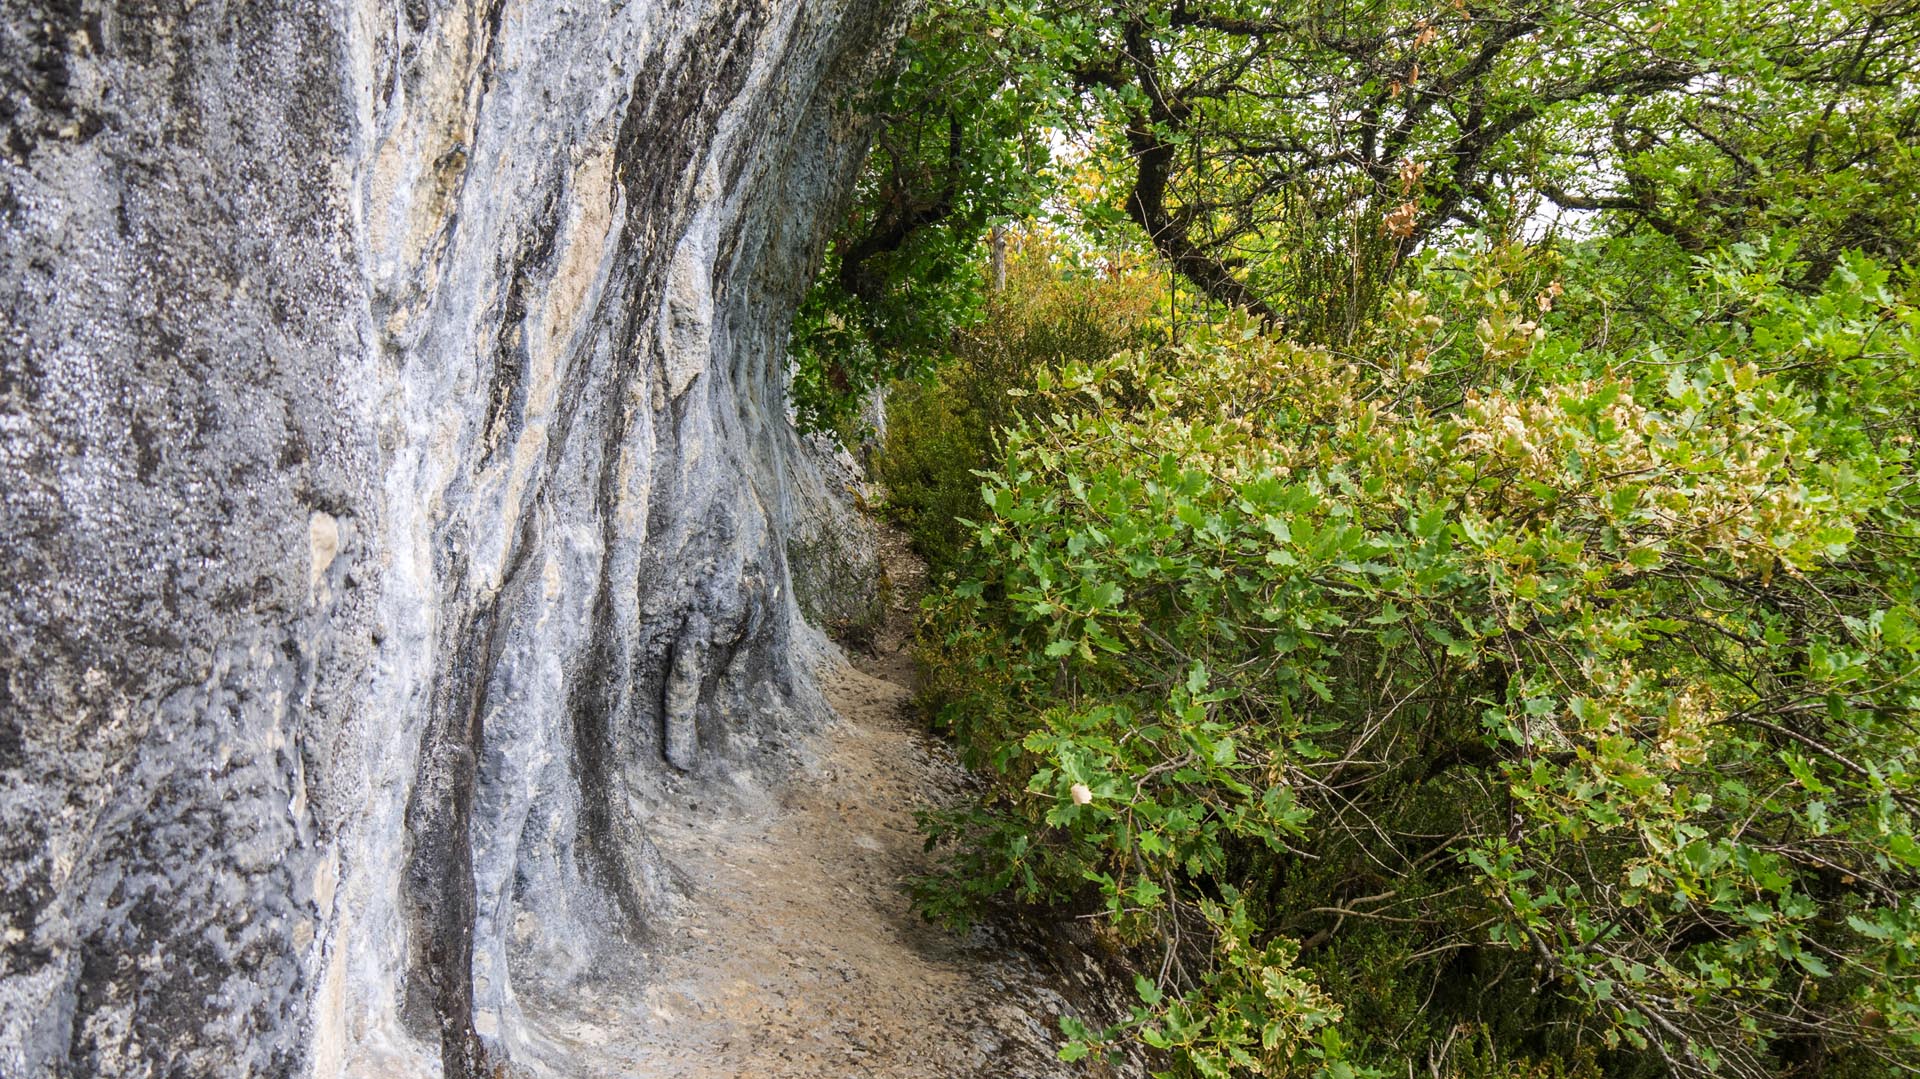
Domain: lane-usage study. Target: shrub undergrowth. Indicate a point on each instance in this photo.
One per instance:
(1056, 308)
(1509, 694)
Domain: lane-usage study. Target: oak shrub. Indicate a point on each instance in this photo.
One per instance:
(1509, 694)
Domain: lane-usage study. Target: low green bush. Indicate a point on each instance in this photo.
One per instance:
(1508, 697)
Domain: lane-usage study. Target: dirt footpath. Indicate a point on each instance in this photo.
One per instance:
(798, 955)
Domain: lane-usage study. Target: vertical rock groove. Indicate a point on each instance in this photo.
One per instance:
(439, 872)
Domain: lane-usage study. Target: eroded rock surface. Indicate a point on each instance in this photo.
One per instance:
(396, 497)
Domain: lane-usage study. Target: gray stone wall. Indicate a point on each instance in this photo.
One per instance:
(396, 497)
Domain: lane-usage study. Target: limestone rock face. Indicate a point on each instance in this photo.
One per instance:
(397, 501)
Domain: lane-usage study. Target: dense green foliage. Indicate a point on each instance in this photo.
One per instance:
(1494, 649)
(1507, 656)
(960, 146)
(1051, 311)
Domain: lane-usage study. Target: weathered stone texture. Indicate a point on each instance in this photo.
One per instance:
(396, 497)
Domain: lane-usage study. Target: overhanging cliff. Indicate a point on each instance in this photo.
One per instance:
(396, 499)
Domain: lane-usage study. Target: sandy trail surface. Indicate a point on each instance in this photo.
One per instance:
(797, 954)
